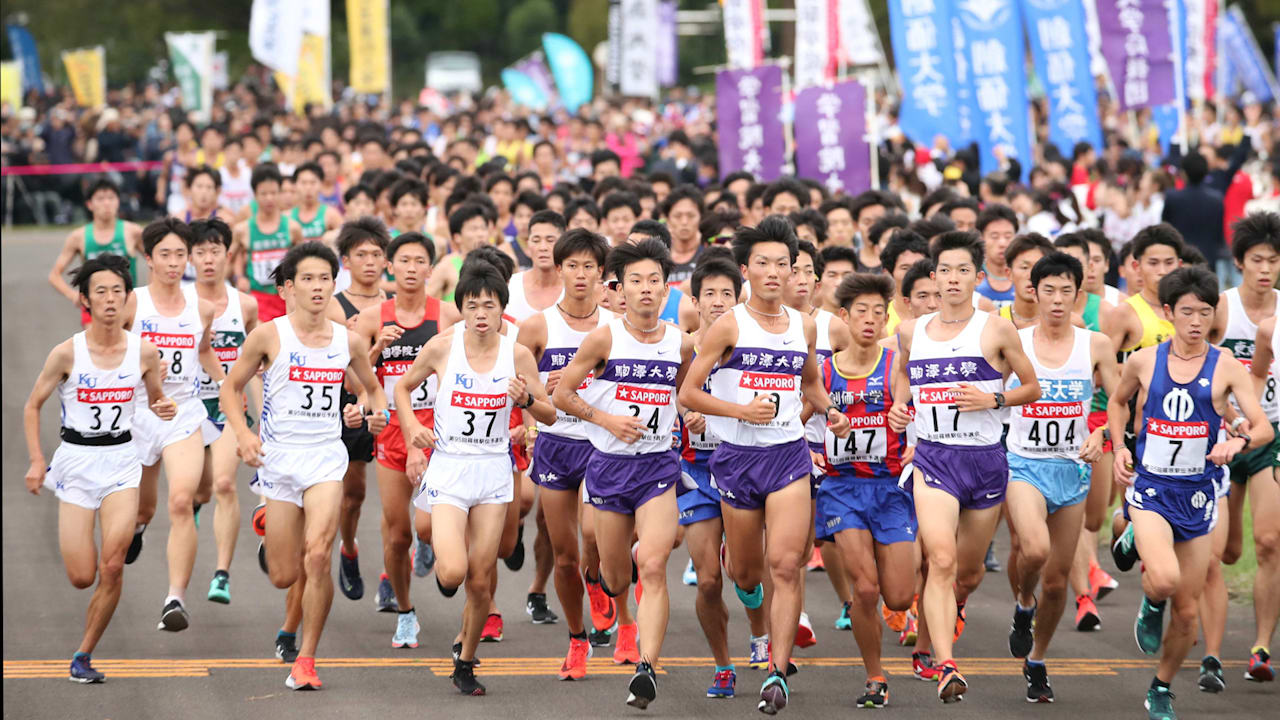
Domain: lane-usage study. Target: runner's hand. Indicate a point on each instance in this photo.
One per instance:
(1091, 451)
(695, 422)
(899, 417)
(517, 435)
(516, 389)
(415, 463)
(1123, 467)
(419, 436)
(35, 477)
(352, 415)
(759, 411)
(553, 380)
(969, 398)
(840, 427)
(250, 448)
(388, 335)
(1223, 452)
(377, 420)
(624, 427)
(164, 408)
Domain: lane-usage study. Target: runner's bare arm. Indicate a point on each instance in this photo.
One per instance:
(716, 343)
(133, 239)
(1260, 366)
(428, 363)
(591, 355)
(369, 326)
(1104, 362)
(238, 256)
(815, 395)
(1118, 325)
(527, 369)
(449, 315)
(838, 336)
(332, 218)
(1240, 385)
(687, 313)
(1131, 373)
(900, 384)
(1010, 348)
(208, 359)
(71, 248)
(439, 276)
(153, 379)
(55, 370)
(295, 232)
(1219, 326)
(130, 309)
(259, 348)
(363, 370)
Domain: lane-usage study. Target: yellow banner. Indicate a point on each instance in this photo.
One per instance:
(87, 71)
(10, 85)
(310, 87)
(369, 38)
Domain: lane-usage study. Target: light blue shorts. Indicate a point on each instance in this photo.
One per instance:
(1063, 483)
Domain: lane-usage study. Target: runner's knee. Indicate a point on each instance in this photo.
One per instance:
(1267, 544)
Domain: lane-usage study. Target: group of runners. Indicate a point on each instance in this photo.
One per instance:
(889, 393)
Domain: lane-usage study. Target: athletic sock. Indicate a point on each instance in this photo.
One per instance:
(578, 636)
(79, 655)
(1035, 663)
(283, 634)
(222, 573)
(343, 550)
(1157, 683)
(722, 668)
(1156, 605)
(1026, 610)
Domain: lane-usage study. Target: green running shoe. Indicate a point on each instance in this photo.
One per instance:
(220, 588)
(1148, 627)
(1159, 704)
(1124, 551)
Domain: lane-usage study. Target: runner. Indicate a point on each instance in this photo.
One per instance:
(766, 369)
(1022, 254)
(861, 506)
(997, 225)
(541, 286)
(467, 486)
(1171, 487)
(408, 206)
(838, 263)
(203, 187)
(1266, 525)
(956, 375)
(314, 217)
(95, 469)
(469, 227)
(523, 208)
(1050, 449)
(903, 250)
(178, 323)
(105, 233)
(637, 362)
(256, 251)
(300, 458)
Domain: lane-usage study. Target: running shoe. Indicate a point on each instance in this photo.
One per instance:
(174, 617)
(990, 561)
(759, 652)
(1159, 704)
(599, 638)
(424, 558)
(195, 513)
(923, 668)
(951, 684)
(909, 631)
(258, 519)
(1020, 637)
(286, 647)
(303, 675)
(220, 587)
(1100, 582)
(575, 663)
(625, 651)
(1211, 680)
(643, 687)
(1087, 617)
(515, 560)
(464, 678)
(135, 547)
(1124, 551)
(1148, 626)
(804, 632)
(406, 630)
(816, 563)
(1260, 666)
(1037, 677)
(457, 653)
(690, 576)
(894, 620)
(535, 604)
(844, 622)
(773, 694)
(349, 579)
(960, 620)
(492, 631)
(385, 600)
(82, 671)
(722, 684)
(877, 694)
(604, 610)
(262, 559)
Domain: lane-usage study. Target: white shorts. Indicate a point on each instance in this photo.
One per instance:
(289, 470)
(465, 481)
(85, 474)
(151, 435)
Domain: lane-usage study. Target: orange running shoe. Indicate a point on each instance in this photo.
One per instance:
(604, 611)
(909, 630)
(951, 684)
(492, 631)
(815, 561)
(1100, 582)
(626, 651)
(575, 663)
(1087, 614)
(896, 620)
(303, 675)
(259, 520)
(959, 623)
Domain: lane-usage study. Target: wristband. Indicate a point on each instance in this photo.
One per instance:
(528, 404)
(1237, 423)
(1247, 440)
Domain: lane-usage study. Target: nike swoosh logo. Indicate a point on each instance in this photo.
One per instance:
(333, 355)
(663, 486)
(122, 482)
(786, 342)
(500, 379)
(662, 352)
(184, 324)
(124, 376)
(955, 349)
(992, 496)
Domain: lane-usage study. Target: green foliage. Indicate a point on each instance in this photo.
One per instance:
(588, 23)
(526, 23)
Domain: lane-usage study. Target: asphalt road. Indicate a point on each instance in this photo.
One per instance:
(222, 666)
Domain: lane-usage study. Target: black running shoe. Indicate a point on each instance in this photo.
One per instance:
(464, 678)
(515, 560)
(349, 579)
(1211, 680)
(773, 694)
(876, 696)
(600, 638)
(536, 605)
(262, 559)
(135, 547)
(1038, 688)
(286, 648)
(643, 688)
(1020, 637)
(173, 618)
(1124, 551)
(457, 653)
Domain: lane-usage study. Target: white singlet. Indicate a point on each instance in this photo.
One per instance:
(936, 368)
(177, 338)
(1239, 337)
(815, 431)
(301, 390)
(562, 344)
(762, 363)
(639, 380)
(1056, 425)
(518, 305)
(97, 401)
(226, 334)
(473, 410)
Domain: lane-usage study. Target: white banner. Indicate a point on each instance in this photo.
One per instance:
(813, 42)
(639, 52)
(220, 81)
(191, 55)
(275, 34)
(315, 17)
(742, 24)
(859, 41)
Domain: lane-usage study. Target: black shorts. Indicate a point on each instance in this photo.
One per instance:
(359, 442)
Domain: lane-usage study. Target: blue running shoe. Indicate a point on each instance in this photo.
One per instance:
(722, 684)
(349, 575)
(220, 588)
(690, 576)
(773, 694)
(843, 622)
(82, 671)
(759, 652)
(385, 600)
(424, 559)
(406, 635)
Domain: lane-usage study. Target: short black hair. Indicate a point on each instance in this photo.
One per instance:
(600, 157)
(814, 219)
(1191, 255)
(933, 226)
(628, 254)
(994, 212)
(754, 193)
(808, 248)
(367, 229)
(922, 269)
(1073, 240)
(1252, 230)
(789, 186)
(102, 184)
(266, 172)
(311, 167)
(159, 229)
(939, 197)
(409, 238)
(582, 204)
(409, 186)
(1094, 236)
(902, 242)
(213, 230)
(997, 182)
(197, 171)
(502, 262)
(731, 178)
(684, 192)
(467, 211)
(580, 240)
(1196, 168)
(838, 253)
(774, 228)
(960, 203)
(288, 268)
(620, 199)
(871, 198)
(959, 240)
(548, 217)
(479, 278)
(715, 267)
(859, 284)
(613, 183)
(653, 229)
(498, 178)
(1057, 263)
(109, 262)
(889, 222)
(529, 199)
(1196, 281)
(719, 219)
(1162, 234)
(1125, 251)
(356, 190)
(1024, 242)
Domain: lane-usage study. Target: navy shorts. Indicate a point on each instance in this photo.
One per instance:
(1063, 483)
(622, 483)
(747, 476)
(817, 473)
(560, 463)
(698, 498)
(975, 475)
(1189, 507)
(880, 506)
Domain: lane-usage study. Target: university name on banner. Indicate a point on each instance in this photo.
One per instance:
(369, 38)
(639, 56)
(191, 55)
(743, 25)
(1059, 46)
(859, 42)
(748, 107)
(87, 71)
(830, 131)
(1240, 52)
(1137, 42)
(997, 78)
(275, 34)
(923, 51)
(817, 42)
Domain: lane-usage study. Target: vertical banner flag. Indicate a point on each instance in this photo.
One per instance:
(1196, 62)
(369, 37)
(1241, 52)
(523, 89)
(815, 63)
(220, 81)
(191, 55)
(310, 85)
(1060, 48)
(275, 34)
(963, 86)
(571, 68)
(24, 52)
(743, 29)
(613, 67)
(831, 142)
(997, 76)
(87, 71)
(1138, 45)
(639, 73)
(923, 51)
(859, 42)
(668, 44)
(11, 84)
(748, 115)
(534, 65)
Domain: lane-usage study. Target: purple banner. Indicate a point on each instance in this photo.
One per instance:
(668, 52)
(536, 68)
(831, 144)
(1137, 42)
(748, 115)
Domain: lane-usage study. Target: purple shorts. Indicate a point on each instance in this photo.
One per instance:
(975, 475)
(746, 476)
(622, 483)
(560, 463)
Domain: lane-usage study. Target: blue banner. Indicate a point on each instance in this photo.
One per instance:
(1243, 59)
(998, 79)
(924, 51)
(571, 68)
(24, 51)
(1060, 49)
(523, 89)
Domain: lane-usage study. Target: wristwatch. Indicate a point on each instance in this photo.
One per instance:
(528, 404)
(999, 396)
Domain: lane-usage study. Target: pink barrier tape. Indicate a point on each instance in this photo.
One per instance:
(79, 168)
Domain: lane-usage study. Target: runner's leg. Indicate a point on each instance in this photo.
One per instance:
(353, 492)
(1193, 561)
(788, 522)
(1264, 500)
(320, 503)
(703, 540)
(561, 512)
(183, 465)
(1053, 578)
(939, 517)
(226, 519)
(655, 522)
(396, 492)
(1213, 601)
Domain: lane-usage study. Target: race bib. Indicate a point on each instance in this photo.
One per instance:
(867, 442)
(1175, 448)
(1051, 427)
(264, 262)
(938, 418)
(783, 390)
